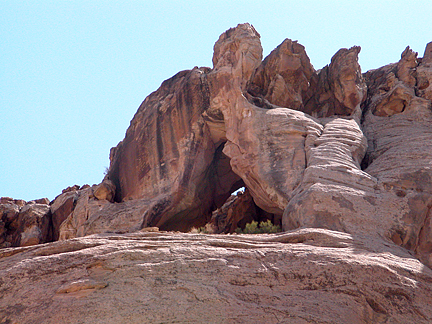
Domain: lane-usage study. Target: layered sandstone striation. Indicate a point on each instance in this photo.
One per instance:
(303, 276)
(339, 158)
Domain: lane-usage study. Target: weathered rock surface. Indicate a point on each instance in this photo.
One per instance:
(168, 160)
(61, 207)
(397, 125)
(33, 225)
(24, 223)
(304, 276)
(331, 148)
(338, 89)
(391, 195)
(283, 77)
(80, 211)
(344, 156)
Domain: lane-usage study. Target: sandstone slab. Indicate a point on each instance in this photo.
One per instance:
(303, 276)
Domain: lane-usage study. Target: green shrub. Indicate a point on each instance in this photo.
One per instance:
(263, 227)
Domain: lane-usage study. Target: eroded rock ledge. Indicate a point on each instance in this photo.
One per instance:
(304, 276)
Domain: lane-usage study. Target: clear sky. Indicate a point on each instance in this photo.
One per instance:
(73, 73)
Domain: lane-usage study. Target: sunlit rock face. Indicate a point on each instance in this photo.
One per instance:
(332, 148)
(305, 275)
(339, 159)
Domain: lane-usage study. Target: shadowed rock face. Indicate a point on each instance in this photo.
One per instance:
(338, 89)
(172, 153)
(24, 223)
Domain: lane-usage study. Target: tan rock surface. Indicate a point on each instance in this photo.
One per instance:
(105, 191)
(91, 215)
(343, 156)
(304, 276)
(334, 190)
(61, 208)
(207, 132)
(391, 195)
(265, 145)
(33, 225)
(399, 151)
(168, 156)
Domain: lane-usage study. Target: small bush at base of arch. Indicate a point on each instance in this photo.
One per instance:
(266, 227)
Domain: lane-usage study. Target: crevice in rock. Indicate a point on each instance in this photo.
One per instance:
(238, 210)
(258, 100)
(224, 179)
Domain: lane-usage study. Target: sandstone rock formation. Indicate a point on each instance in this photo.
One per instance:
(283, 77)
(313, 148)
(339, 158)
(304, 276)
(235, 133)
(24, 223)
(397, 125)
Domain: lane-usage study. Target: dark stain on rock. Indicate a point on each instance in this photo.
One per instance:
(329, 221)
(343, 202)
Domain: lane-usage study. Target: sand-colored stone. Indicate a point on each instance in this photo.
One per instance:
(304, 276)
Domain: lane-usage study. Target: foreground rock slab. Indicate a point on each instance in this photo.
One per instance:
(302, 276)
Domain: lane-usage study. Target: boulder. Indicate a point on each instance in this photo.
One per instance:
(105, 191)
(91, 215)
(8, 200)
(283, 77)
(24, 223)
(43, 201)
(65, 204)
(61, 207)
(33, 225)
(338, 88)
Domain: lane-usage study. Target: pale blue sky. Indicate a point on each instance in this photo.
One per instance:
(73, 73)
